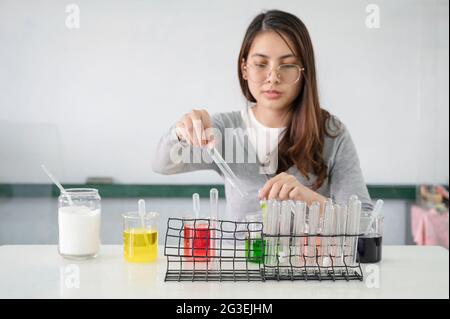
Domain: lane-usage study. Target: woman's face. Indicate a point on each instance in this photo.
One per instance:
(267, 52)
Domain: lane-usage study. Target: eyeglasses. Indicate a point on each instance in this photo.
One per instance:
(286, 73)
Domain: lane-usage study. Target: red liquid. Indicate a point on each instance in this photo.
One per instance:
(197, 242)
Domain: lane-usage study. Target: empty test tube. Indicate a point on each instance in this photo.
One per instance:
(326, 231)
(313, 227)
(272, 230)
(285, 232)
(353, 220)
(263, 205)
(299, 230)
(339, 226)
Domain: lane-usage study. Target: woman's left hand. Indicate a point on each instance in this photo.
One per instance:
(285, 186)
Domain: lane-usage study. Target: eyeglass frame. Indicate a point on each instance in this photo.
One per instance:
(300, 68)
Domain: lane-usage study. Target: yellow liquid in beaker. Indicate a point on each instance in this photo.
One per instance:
(140, 245)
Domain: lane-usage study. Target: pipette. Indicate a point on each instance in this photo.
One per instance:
(226, 170)
(141, 212)
(141, 209)
(220, 162)
(58, 184)
(196, 205)
(214, 203)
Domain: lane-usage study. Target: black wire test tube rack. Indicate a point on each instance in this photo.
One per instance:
(209, 250)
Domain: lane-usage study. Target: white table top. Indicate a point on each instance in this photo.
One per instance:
(37, 271)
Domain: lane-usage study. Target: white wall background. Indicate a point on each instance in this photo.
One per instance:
(94, 101)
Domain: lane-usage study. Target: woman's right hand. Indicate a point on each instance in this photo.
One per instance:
(195, 128)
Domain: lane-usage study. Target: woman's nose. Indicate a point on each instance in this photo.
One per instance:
(273, 77)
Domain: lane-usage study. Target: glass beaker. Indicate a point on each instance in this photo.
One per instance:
(197, 239)
(370, 243)
(254, 245)
(140, 237)
(79, 219)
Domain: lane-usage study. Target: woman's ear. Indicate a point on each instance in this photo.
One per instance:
(244, 70)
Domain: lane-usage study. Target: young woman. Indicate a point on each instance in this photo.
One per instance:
(303, 152)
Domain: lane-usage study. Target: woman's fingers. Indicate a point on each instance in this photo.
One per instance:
(204, 117)
(182, 131)
(264, 193)
(295, 193)
(188, 129)
(282, 187)
(285, 191)
(195, 127)
(197, 130)
(206, 135)
(275, 190)
(207, 127)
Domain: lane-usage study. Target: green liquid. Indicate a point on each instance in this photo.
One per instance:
(254, 250)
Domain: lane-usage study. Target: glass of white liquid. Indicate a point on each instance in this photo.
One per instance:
(79, 220)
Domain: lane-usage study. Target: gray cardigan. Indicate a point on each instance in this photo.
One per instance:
(344, 172)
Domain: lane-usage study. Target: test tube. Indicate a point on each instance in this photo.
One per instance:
(333, 242)
(353, 220)
(284, 253)
(263, 205)
(348, 232)
(357, 230)
(339, 221)
(313, 226)
(326, 231)
(299, 230)
(272, 230)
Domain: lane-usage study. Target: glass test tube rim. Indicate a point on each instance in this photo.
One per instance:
(136, 216)
(80, 192)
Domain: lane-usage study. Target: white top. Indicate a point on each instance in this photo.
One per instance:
(37, 271)
(264, 139)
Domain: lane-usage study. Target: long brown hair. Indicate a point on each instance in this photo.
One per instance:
(302, 144)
